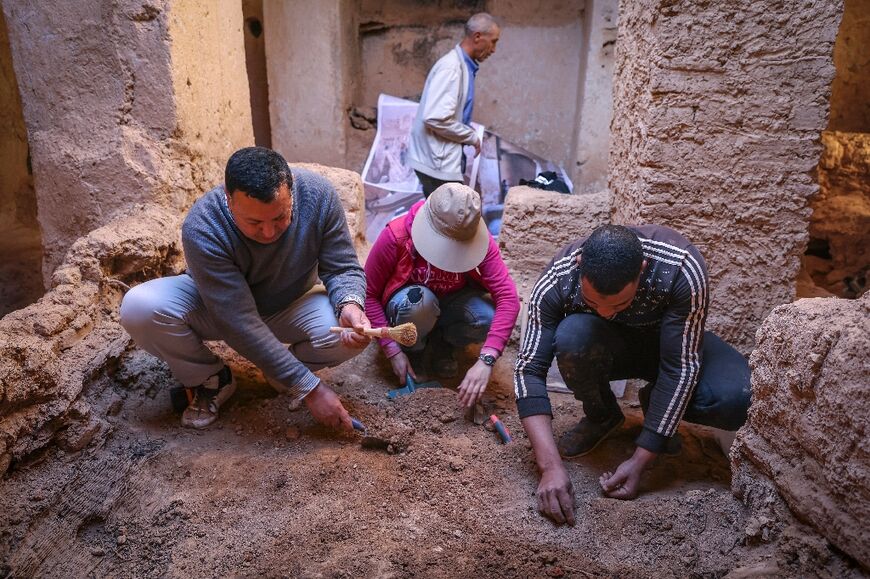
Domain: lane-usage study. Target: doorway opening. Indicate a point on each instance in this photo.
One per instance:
(837, 259)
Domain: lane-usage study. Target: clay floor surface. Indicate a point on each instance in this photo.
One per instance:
(267, 492)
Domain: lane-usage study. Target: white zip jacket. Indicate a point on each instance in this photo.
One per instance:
(438, 132)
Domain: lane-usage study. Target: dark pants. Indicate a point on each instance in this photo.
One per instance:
(463, 317)
(430, 183)
(592, 351)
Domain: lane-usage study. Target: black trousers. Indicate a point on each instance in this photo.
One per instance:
(430, 183)
(592, 351)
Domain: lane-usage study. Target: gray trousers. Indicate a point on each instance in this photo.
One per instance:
(167, 318)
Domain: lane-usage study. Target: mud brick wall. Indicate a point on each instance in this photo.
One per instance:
(809, 419)
(718, 107)
(125, 102)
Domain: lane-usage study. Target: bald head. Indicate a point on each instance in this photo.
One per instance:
(481, 36)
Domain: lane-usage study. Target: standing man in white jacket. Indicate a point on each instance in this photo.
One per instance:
(442, 125)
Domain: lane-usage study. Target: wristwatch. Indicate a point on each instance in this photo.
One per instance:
(487, 359)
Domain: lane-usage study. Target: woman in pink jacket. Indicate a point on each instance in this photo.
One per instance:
(439, 267)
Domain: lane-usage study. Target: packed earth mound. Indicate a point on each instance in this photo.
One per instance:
(807, 430)
(268, 492)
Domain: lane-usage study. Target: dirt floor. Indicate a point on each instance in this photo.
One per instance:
(267, 492)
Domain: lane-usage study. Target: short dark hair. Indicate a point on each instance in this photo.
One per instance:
(257, 172)
(612, 258)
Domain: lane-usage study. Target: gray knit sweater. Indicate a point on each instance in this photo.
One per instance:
(241, 281)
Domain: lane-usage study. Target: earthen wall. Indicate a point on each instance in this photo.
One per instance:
(21, 243)
(17, 202)
(850, 106)
(310, 62)
(123, 104)
(718, 108)
(255, 61)
(595, 97)
(207, 66)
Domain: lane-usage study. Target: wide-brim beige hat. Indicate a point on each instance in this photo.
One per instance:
(448, 230)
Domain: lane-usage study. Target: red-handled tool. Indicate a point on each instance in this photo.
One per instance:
(502, 430)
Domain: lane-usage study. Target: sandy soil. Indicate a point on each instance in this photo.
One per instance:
(267, 492)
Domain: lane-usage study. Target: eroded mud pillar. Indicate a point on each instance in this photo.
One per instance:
(718, 108)
(807, 429)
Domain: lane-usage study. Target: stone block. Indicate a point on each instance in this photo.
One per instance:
(536, 224)
(350, 190)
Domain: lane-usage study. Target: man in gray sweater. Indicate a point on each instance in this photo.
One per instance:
(255, 248)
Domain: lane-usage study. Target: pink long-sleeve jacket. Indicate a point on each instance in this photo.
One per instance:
(393, 261)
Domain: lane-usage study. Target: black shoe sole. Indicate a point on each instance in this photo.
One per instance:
(616, 427)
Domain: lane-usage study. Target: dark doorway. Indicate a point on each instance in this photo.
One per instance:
(21, 243)
(255, 59)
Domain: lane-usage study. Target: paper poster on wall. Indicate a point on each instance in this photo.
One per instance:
(392, 187)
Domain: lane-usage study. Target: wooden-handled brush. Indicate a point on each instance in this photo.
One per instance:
(405, 334)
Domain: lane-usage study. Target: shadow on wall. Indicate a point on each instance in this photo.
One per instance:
(255, 62)
(837, 259)
(21, 242)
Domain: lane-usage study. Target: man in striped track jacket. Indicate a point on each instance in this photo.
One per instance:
(627, 302)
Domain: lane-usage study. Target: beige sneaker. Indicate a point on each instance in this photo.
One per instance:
(208, 398)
